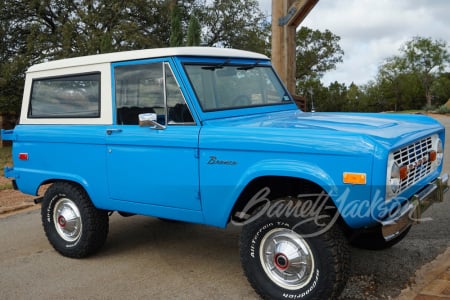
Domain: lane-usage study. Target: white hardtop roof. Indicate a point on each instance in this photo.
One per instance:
(143, 54)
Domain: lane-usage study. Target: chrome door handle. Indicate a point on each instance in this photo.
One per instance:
(111, 130)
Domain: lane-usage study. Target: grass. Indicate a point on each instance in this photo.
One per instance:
(6, 186)
(413, 111)
(5, 159)
(442, 110)
(410, 111)
(5, 156)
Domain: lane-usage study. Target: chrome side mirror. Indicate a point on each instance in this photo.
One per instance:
(150, 120)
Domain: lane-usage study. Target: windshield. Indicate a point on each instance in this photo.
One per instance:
(221, 86)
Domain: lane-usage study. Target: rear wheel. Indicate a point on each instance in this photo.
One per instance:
(285, 260)
(74, 227)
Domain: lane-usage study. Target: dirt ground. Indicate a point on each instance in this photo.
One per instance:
(13, 201)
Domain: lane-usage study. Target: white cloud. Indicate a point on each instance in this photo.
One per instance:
(373, 30)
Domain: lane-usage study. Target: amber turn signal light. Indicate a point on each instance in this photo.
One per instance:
(354, 178)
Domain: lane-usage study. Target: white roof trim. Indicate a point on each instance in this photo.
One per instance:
(143, 54)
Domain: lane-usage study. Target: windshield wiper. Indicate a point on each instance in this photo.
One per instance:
(218, 66)
(248, 67)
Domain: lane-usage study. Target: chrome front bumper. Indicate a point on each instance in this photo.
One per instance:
(411, 212)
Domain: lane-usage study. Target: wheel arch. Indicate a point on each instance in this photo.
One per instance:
(278, 174)
(54, 180)
(81, 184)
(279, 186)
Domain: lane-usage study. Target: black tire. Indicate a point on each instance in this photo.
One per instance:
(73, 226)
(265, 258)
(373, 239)
(170, 220)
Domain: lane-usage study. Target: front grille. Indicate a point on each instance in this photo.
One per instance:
(416, 158)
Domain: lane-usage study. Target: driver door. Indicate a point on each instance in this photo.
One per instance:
(145, 164)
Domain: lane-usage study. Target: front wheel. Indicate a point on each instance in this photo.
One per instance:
(74, 227)
(283, 259)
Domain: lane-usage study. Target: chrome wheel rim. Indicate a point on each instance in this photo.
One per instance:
(286, 258)
(67, 220)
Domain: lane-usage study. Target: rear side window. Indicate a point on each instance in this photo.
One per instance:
(76, 96)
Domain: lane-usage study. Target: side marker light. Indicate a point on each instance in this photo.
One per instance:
(23, 156)
(354, 178)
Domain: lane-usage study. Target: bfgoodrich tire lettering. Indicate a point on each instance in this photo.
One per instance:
(280, 264)
(73, 226)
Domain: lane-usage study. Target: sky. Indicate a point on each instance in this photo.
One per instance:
(373, 30)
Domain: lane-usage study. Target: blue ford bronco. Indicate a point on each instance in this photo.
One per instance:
(224, 143)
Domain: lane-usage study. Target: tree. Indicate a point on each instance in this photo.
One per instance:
(176, 32)
(336, 98)
(235, 24)
(408, 80)
(390, 79)
(372, 98)
(441, 89)
(426, 58)
(13, 55)
(317, 52)
(354, 96)
(194, 32)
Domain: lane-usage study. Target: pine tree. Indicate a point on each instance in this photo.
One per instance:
(194, 34)
(176, 34)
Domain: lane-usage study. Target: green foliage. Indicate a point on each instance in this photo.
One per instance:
(333, 98)
(429, 108)
(235, 24)
(317, 52)
(354, 98)
(425, 58)
(420, 63)
(411, 80)
(194, 32)
(407, 81)
(443, 109)
(440, 89)
(5, 158)
(176, 33)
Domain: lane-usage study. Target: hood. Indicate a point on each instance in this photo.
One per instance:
(373, 124)
(388, 130)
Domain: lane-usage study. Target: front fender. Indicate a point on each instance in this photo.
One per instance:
(217, 212)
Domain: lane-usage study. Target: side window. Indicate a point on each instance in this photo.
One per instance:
(149, 88)
(178, 111)
(75, 96)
